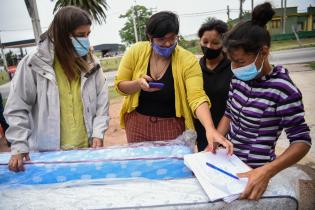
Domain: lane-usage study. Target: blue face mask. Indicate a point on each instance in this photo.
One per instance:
(81, 45)
(164, 51)
(248, 72)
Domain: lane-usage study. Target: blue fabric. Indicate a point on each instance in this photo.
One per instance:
(152, 162)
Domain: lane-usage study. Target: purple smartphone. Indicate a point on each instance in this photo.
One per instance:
(156, 85)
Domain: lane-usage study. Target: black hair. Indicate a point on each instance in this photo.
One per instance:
(162, 23)
(213, 24)
(251, 35)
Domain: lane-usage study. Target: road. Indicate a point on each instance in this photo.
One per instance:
(301, 55)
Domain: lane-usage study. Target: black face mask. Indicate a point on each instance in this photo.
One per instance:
(210, 53)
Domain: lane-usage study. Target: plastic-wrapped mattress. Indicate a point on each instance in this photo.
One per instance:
(151, 160)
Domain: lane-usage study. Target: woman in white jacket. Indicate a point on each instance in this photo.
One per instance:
(59, 95)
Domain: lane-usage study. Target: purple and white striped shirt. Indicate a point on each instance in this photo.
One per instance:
(259, 110)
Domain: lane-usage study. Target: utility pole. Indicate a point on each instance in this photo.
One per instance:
(228, 11)
(252, 5)
(284, 16)
(134, 24)
(3, 55)
(33, 12)
(241, 9)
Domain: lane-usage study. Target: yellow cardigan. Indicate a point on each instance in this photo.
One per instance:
(188, 81)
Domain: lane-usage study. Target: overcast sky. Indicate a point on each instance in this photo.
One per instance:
(15, 23)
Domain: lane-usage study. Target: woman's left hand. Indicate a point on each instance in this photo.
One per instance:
(96, 142)
(214, 138)
(258, 180)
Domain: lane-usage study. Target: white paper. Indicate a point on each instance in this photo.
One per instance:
(216, 184)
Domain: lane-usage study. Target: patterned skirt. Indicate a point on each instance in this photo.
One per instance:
(141, 127)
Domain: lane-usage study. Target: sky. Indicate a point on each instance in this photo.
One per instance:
(15, 23)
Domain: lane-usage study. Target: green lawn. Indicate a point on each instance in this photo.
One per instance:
(4, 77)
(113, 93)
(290, 44)
(110, 64)
(312, 65)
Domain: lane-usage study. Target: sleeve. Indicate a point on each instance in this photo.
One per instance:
(3, 122)
(125, 69)
(291, 111)
(227, 112)
(194, 84)
(22, 98)
(101, 120)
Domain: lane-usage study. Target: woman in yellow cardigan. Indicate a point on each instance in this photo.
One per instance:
(164, 111)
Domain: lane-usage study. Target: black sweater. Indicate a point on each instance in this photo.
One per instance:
(216, 85)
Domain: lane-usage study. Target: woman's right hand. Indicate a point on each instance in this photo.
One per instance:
(16, 162)
(144, 85)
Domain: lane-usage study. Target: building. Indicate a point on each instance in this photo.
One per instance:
(300, 21)
(108, 50)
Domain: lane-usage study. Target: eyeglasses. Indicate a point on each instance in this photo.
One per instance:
(163, 40)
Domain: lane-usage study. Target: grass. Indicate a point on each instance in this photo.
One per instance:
(291, 44)
(110, 64)
(312, 65)
(113, 93)
(4, 77)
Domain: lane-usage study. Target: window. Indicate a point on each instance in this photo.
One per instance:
(275, 24)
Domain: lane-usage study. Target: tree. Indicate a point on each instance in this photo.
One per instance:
(96, 8)
(142, 15)
(11, 58)
(208, 19)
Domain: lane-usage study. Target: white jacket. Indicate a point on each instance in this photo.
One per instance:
(33, 109)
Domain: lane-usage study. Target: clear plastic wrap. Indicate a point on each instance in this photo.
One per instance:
(145, 194)
(152, 160)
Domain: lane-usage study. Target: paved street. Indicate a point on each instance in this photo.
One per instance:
(301, 55)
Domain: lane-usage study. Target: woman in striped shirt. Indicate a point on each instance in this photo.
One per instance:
(262, 102)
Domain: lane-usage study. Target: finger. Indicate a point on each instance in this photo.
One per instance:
(97, 143)
(242, 175)
(27, 157)
(209, 148)
(147, 78)
(94, 144)
(247, 192)
(12, 165)
(20, 166)
(260, 193)
(100, 143)
(229, 147)
(144, 84)
(254, 194)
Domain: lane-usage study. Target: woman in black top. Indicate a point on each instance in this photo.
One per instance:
(216, 71)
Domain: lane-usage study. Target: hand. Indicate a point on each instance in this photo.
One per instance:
(214, 139)
(258, 180)
(144, 85)
(96, 143)
(16, 162)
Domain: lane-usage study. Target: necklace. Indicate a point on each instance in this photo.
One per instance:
(157, 73)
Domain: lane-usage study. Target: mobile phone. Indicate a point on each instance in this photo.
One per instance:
(156, 85)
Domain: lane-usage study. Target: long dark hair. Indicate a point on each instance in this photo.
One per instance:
(62, 27)
(251, 35)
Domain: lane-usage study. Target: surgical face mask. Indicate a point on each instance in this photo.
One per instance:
(248, 72)
(164, 51)
(210, 53)
(81, 45)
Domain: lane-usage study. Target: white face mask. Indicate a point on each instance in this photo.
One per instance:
(248, 72)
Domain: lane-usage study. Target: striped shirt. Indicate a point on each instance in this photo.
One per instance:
(259, 110)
